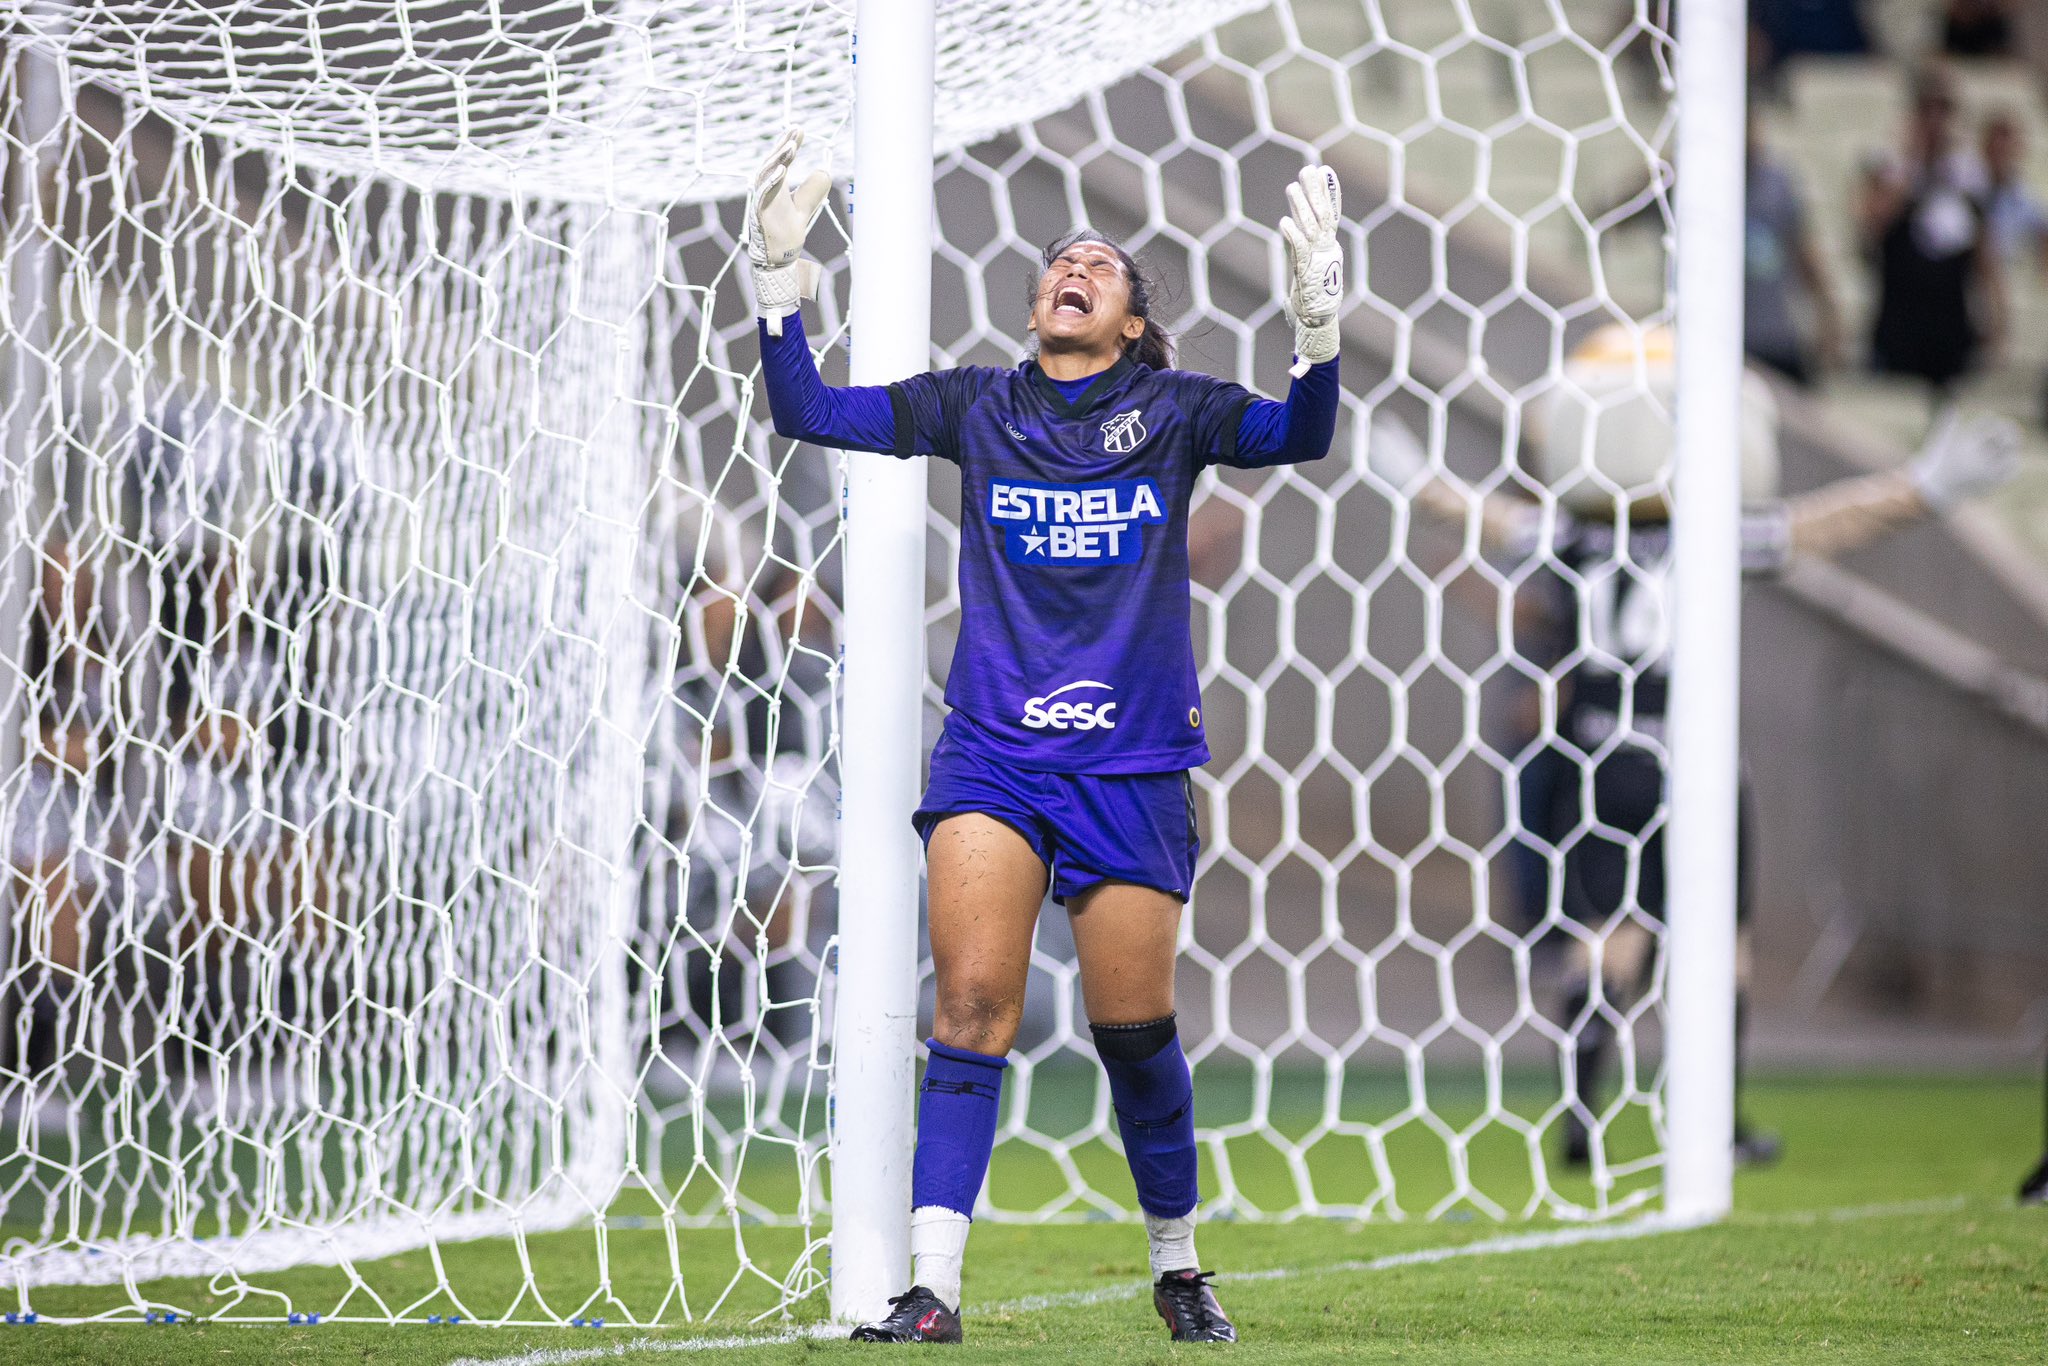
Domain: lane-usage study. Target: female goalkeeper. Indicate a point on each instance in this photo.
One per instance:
(1075, 709)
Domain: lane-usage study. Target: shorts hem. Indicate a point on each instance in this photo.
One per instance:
(1061, 892)
(924, 820)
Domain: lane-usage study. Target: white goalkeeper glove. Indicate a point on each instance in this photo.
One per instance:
(1315, 265)
(779, 217)
(1964, 458)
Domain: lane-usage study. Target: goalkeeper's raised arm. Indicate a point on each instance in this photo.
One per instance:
(1075, 707)
(782, 207)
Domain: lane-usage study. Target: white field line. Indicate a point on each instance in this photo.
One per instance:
(564, 1356)
(1129, 1290)
(1521, 1242)
(1947, 1204)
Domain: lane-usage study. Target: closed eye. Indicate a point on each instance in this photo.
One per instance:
(1093, 263)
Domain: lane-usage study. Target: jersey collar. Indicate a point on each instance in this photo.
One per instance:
(1097, 391)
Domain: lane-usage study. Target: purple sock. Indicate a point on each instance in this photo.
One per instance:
(956, 1127)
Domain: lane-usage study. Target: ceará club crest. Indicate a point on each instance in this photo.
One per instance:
(1123, 432)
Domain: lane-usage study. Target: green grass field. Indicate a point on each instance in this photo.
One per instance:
(1887, 1233)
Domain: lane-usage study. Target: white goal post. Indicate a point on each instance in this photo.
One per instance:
(1706, 642)
(875, 1039)
(456, 760)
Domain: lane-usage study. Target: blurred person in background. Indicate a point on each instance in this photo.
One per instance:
(246, 787)
(2015, 221)
(243, 761)
(1831, 28)
(2030, 38)
(1602, 445)
(2034, 1190)
(1921, 224)
(1977, 28)
(1783, 268)
(2013, 214)
(66, 841)
(752, 835)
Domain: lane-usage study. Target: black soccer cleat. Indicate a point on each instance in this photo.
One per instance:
(1185, 1301)
(1756, 1148)
(916, 1315)
(1578, 1144)
(2035, 1189)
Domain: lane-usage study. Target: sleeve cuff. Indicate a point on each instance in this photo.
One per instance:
(1227, 450)
(906, 426)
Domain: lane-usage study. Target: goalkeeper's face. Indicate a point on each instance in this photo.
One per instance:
(1083, 302)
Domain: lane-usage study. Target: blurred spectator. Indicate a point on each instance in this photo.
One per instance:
(244, 762)
(2034, 1190)
(2030, 38)
(1920, 222)
(2015, 220)
(1977, 28)
(1766, 81)
(750, 839)
(1782, 265)
(65, 838)
(1821, 27)
(247, 868)
(2013, 213)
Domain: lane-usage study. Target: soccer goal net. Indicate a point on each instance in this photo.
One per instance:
(418, 727)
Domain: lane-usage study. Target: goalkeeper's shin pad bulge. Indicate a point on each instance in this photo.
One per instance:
(956, 1127)
(1154, 1096)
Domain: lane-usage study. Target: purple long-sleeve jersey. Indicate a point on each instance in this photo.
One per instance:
(1075, 654)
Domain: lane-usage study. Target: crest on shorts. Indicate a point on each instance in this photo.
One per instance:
(1123, 432)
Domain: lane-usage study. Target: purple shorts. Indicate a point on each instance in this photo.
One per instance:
(1085, 827)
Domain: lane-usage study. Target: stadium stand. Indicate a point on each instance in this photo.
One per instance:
(1830, 115)
(1837, 113)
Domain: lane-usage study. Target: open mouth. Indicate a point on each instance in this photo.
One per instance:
(1072, 299)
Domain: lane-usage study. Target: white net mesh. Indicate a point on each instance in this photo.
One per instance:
(1376, 983)
(635, 101)
(418, 743)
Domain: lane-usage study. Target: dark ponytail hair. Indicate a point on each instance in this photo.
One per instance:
(1153, 348)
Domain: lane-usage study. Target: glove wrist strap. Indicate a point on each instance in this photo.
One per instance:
(1314, 343)
(780, 290)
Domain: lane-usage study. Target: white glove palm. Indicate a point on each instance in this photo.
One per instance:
(1315, 264)
(1965, 458)
(779, 217)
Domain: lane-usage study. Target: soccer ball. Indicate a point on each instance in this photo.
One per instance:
(1605, 434)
